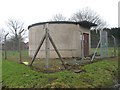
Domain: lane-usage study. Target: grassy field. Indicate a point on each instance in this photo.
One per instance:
(40, 64)
(110, 51)
(15, 75)
(98, 74)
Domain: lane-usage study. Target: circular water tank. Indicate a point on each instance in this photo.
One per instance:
(67, 36)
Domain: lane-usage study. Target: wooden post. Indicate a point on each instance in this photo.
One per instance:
(5, 47)
(50, 38)
(41, 42)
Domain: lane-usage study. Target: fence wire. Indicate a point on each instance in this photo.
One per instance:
(55, 64)
(111, 48)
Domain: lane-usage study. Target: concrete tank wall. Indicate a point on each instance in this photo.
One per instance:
(65, 36)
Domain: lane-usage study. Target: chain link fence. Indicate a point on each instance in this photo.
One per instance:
(55, 64)
(13, 53)
(111, 42)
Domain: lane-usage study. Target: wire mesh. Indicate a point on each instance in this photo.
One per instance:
(103, 44)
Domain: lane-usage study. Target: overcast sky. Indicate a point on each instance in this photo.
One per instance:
(33, 11)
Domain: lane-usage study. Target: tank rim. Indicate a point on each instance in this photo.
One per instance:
(84, 24)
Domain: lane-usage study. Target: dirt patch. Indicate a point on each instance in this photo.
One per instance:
(72, 64)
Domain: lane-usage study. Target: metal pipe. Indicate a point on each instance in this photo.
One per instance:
(5, 47)
(47, 50)
(82, 45)
(114, 45)
(50, 38)
(41, 42)
(95, 51)
(20, 57)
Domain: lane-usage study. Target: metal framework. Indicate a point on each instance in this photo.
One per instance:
(48, 38)
(103, 44)
(5, 46)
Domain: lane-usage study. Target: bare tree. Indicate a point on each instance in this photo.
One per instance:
(86, 14)
(58, 17)
(15, 27)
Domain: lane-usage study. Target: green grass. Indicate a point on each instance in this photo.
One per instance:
(110, 51)
(14, 55)
(99, 74)
(25, 55)
(100, 71)
(0, 68)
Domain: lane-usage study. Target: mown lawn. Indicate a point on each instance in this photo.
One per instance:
(98, 74)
